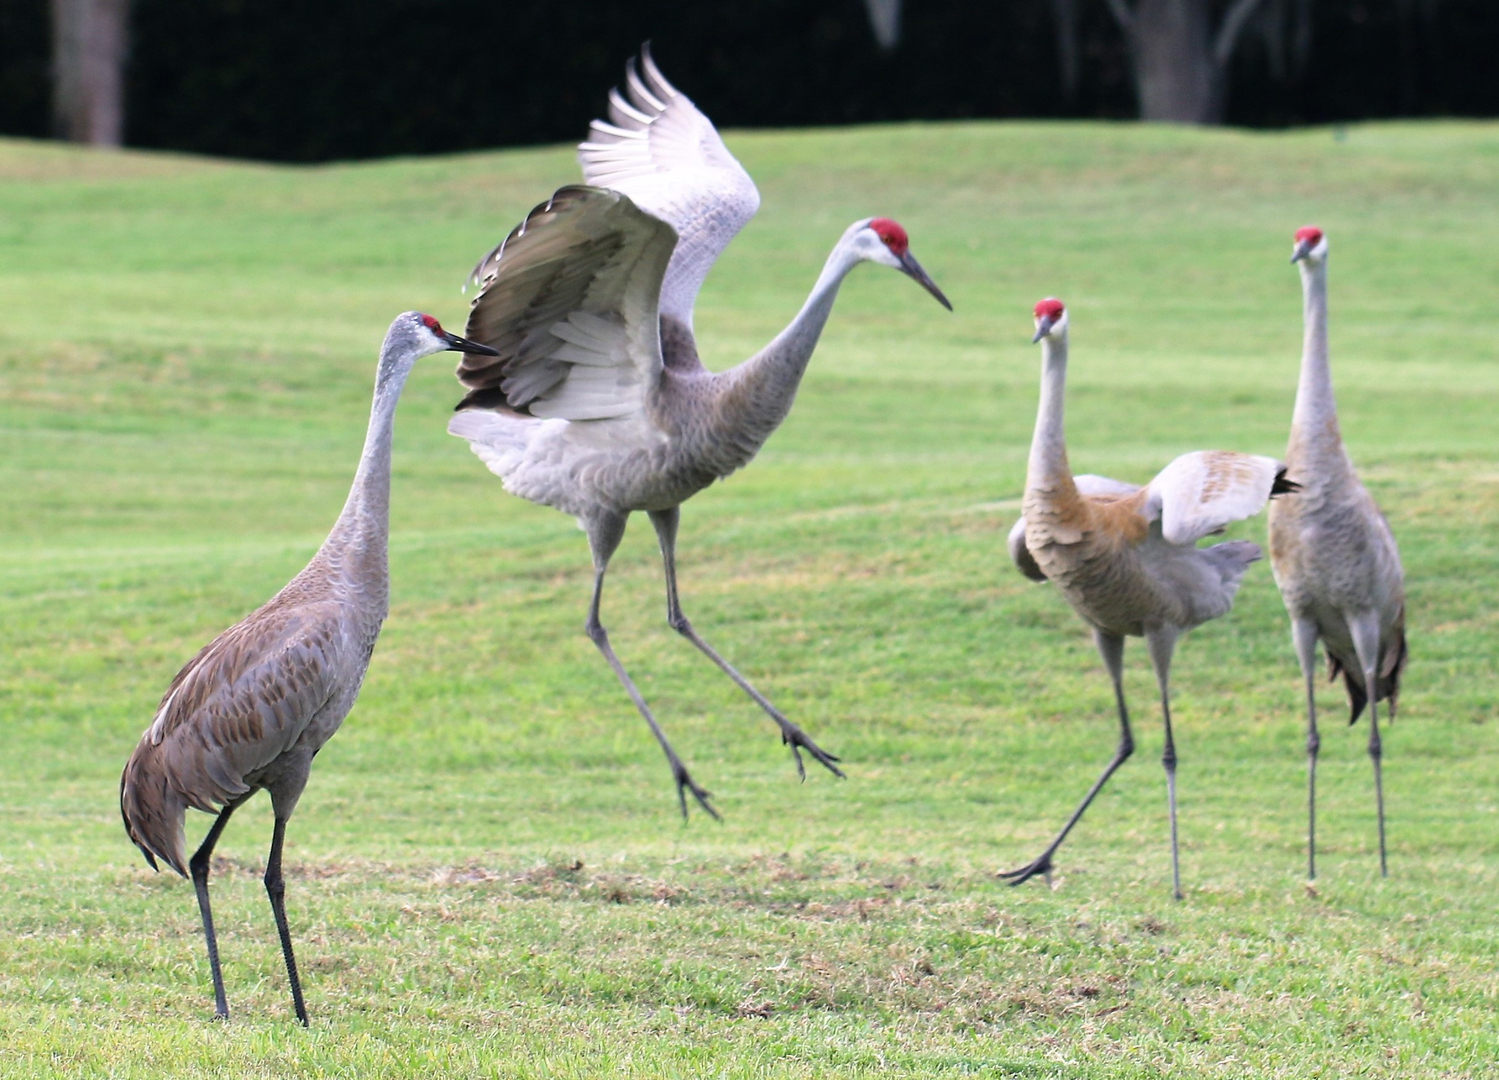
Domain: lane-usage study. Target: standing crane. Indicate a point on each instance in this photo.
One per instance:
(253, 708)
(597, 404)
(1333, 554)
(1125, 557)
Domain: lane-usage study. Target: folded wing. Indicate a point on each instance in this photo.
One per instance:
(569, 300)
(657, 148)
(246, 699)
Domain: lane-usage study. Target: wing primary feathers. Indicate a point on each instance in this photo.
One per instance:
(639, 91)
(621, 111)
(653, 73)
(658, 148)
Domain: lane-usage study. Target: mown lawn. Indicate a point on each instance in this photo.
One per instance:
(488, 876)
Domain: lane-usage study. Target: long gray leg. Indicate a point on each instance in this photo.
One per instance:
(1304, 636)
(1162, 644)
(665, 522)
(604, 535)
(198, 865)
(275, 887)
(1111, 648)
(1365, 631)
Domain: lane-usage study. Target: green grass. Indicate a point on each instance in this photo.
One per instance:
(487, 875)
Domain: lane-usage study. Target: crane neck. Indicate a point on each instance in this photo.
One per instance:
(754, 397)
(1314, 423)
(1048, 468)
(360, 536)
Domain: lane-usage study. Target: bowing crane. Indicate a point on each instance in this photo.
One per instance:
(1125, 557)
(598, 404)
(252, 709)
(1333, 554)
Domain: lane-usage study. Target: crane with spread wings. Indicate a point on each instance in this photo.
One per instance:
(597, 404)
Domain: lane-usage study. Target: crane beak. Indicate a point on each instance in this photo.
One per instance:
(1043, 327)
(911, 267)
(463, 344)
(1303, 249)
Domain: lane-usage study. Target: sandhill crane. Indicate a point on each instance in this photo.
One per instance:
(1333, 554)
(598, 404)
(1125, 557)
(253, 708)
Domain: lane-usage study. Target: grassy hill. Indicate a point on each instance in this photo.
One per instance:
(487, 876)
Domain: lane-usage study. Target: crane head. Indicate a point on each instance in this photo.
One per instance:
(1311, 243)
(430, 337)
(882, 240)
(1051, 319)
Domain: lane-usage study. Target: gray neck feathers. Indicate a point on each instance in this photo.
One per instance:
(1048, 460)
(755, 396)
(1314, 424)
(357, 544)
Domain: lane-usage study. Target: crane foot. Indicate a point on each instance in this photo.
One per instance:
(799, 740)
(685, 783)
(1042, 865)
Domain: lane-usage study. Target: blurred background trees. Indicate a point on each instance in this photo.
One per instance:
(297, 81)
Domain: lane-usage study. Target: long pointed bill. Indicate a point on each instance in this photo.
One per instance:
(1303, 249)
(909, 264)
(463, 344)
(1043, 327)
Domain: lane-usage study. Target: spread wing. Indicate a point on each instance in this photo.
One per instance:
(569, 300)
(663, 153)
(246, 698)
(1200, 493)
(1087, 484)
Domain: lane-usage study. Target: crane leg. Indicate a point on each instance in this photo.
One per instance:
(1111, 648)
(1304, 636)
(793, 736)
(604, 535)
(275, 887)
(1365, 630)
(1162, 644)
(198, 865)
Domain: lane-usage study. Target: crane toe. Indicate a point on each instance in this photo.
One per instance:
(798, 740)
(685, 783)
(1042, 865)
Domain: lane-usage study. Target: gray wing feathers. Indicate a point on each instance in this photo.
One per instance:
(231, 711)
(1093, 485)
(570, 302)
(1021, 555)
(660, 150)
(1231, 560)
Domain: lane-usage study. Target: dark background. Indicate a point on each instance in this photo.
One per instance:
(312, 80)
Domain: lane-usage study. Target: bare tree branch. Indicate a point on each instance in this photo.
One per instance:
(1122, 14)
(1228, 33)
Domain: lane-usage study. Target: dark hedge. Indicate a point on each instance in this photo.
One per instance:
(310, 80)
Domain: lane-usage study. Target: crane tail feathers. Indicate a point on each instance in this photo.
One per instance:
(154, 813)
(1386, 680)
